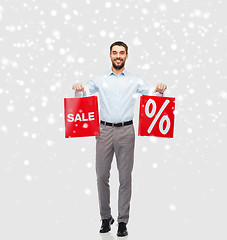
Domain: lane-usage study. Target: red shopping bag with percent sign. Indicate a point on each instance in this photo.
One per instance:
(156, 117)
(81, 117)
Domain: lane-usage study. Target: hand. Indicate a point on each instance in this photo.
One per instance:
(160, 87)
(78, 87)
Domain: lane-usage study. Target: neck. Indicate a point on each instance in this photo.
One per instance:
(117, 71)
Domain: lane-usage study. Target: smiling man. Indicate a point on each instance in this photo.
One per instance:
(117, 91)
(118, 60)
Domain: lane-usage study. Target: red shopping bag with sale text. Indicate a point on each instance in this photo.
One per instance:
(81, 117)
(156, 117)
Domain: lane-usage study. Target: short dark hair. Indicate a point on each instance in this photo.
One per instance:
(119, 43)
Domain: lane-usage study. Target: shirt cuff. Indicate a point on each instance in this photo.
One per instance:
(81, 94)
(157, 94)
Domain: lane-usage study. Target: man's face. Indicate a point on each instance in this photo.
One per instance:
(118, 57)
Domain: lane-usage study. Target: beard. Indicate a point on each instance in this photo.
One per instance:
(118, 67)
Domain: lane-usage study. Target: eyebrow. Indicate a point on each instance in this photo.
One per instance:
(120, 51)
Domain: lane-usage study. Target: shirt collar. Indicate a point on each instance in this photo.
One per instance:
(112, 73)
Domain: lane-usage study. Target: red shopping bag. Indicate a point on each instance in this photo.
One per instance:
(156, 117)
(81, 117)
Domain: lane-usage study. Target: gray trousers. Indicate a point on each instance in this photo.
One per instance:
(121, 141)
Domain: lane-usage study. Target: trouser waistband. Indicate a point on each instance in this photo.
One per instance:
(117, 124)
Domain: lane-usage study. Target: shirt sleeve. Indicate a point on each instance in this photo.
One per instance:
(145, 89)
(90, 88)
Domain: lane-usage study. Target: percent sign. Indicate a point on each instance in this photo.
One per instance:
(152, 113)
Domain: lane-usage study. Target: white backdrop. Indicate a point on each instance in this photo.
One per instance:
(48, 183)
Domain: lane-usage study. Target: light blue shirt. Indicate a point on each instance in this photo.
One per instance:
(117, 94)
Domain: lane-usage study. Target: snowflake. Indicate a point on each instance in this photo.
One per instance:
(89, 165)
(172, 207)
(87, 191)
(53, 13)
(32, 108)
(81, 60)
(26, 162)
(154, 165)
(108, 5)
(136, 41)
(103, 33)
(28, 177)
(162, 7)
(111, 35)
(4, 129)
(49, 142)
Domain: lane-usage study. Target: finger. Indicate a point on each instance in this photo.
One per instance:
(160, 86)
(157, 87)
(81, 87)
(75, 88)
(83, 90)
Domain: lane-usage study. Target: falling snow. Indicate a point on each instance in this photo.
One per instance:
(46, 47)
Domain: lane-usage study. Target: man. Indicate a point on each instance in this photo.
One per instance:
(117, 94)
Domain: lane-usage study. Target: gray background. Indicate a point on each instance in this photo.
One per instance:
(48, 183)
